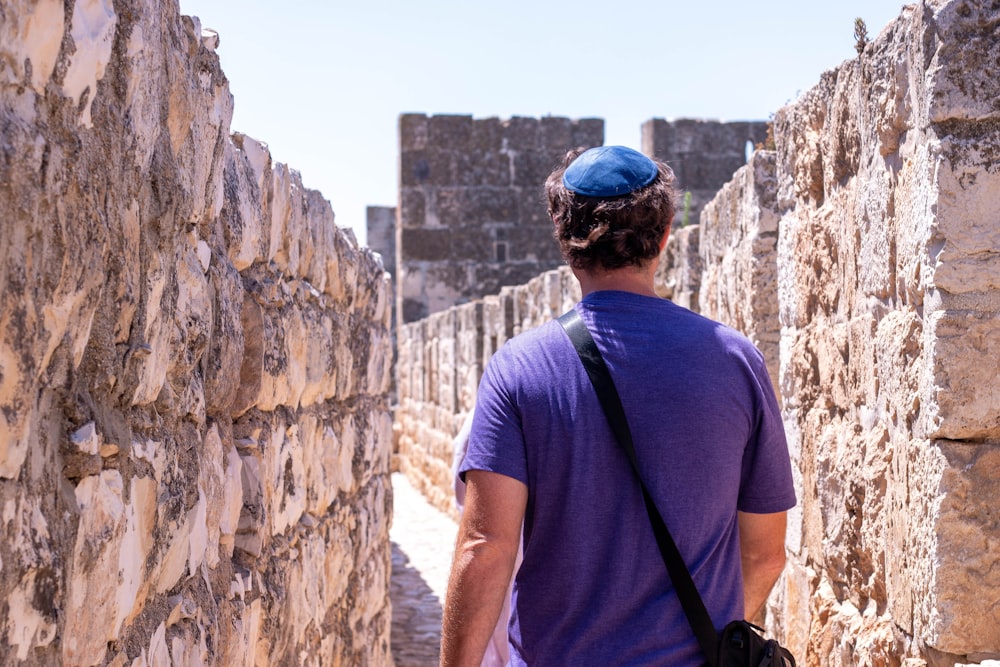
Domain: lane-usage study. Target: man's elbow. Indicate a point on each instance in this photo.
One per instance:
(765, 565)
(775, 562)
(486, 550)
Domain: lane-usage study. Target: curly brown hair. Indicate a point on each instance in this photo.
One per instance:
(606, 233)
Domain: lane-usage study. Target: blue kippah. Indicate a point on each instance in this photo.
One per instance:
(609, 171)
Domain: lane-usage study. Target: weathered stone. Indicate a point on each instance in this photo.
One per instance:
(703, 154)
(678, 276)
(92, 600)
(469, 175)
(859, 257)
(440, 362)
(93, 30)
(148, 260)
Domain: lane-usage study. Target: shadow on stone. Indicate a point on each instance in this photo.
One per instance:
(416, 615)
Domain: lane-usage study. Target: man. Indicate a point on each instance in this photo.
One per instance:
(592, 588)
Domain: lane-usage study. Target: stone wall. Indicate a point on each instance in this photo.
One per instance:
(888, 188)
(472, 212)
(441, 360)
(194, 429)
(861, 256)
(738, 248)
(703, 154)
(678, 276)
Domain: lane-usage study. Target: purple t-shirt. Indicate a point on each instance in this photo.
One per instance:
(593, 589)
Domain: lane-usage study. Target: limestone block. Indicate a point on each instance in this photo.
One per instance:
(787, 611)
(127, 290)
(198, 540)
(189, 337)
(963, 620)
(143, 103)
(93, 589)
(287, 220)
(737, 243)
(243, 208)
(93, 31)
(41, 331)
(959, 84)
(147, 363)
(232, 501)
(190, 648)
(250, 534)
(469, 354)
(26, 626)
(343, 270)
(137, 544)
(373, 580)
(245, 645)
(226, 346)
(378, 374)
(967, 261)
(281, 477)
(799, 141)
(253, 327)
(327, 464)
(159, 654)
(796, 515)
(181, 549)
(212, 497)
(304, 605)
(320, 244)
(31, 34)
(283, 378)
(370, 438)
(198, 122)
(314, 359)
(445, 344)
(384, 300)
(963, 349)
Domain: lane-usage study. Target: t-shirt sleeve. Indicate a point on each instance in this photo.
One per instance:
(766, 484)
(496, 441)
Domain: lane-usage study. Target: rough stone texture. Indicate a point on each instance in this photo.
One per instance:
(678, 276)
(194, 366)
(441, 360)
(872, 232)
(885, 190)
(703, 154)
(738, 247)
(889, 186)
(471, 204)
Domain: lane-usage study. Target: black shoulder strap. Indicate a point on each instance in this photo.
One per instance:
(597, 370)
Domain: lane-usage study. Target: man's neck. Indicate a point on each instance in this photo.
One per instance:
(638, 280)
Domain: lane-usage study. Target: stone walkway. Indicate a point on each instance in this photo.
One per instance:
(423, 540)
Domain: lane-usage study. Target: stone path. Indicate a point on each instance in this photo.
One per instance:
(423, 541)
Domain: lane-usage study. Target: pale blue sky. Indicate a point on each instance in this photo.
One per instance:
(323, 82)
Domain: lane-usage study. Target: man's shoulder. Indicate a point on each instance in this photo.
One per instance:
(726, 335)
(536, 340)
(530, 358)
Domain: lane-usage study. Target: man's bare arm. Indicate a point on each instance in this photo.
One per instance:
(489, 536)
(762, 551)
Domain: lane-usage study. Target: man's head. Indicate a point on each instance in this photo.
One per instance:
(612, 207)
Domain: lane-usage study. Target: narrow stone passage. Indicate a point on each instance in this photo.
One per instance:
(423, 541)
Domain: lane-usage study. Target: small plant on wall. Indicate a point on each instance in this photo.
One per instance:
(686, 210)
(860, 35)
